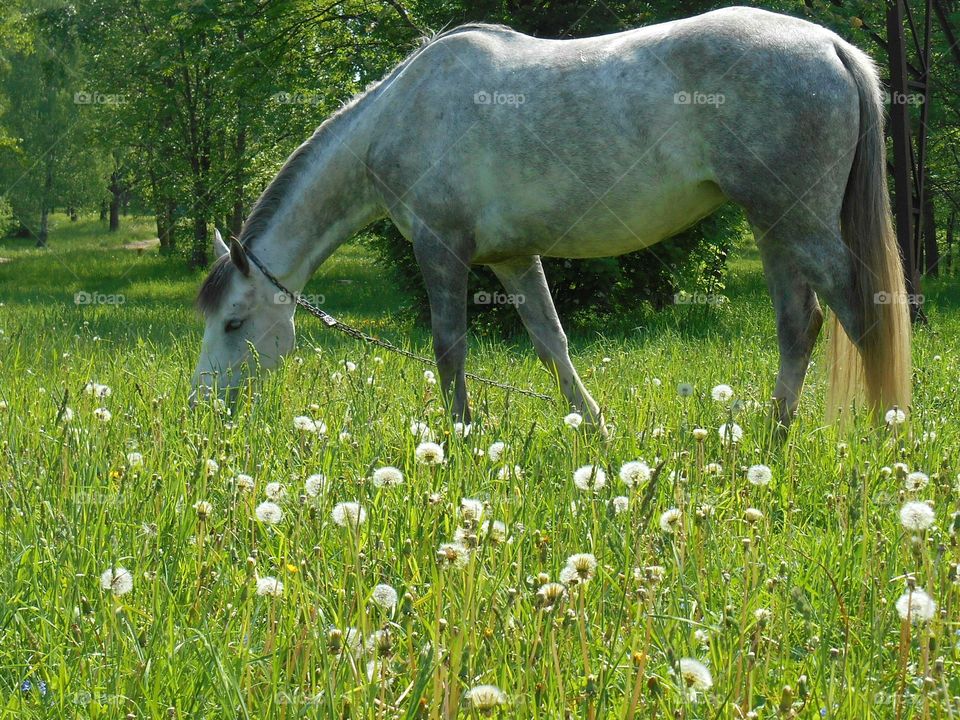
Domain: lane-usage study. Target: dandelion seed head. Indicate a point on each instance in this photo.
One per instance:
(471, 510)
(730, 432)
(117, 580)
(453, 555)
(760, 475)
(102, 414)
(134, 459)
(484, 699)
(573, 420)
(670, 520)
(550, 595)
(349, 514)
(269, 513)
(275, 491)
(495, 451)
(269, 586)
(429, 453)
(387, 476)
(589, 477)
(895, 416)
(384, 596)
(695, 674)
(581, 567)
(916, 516)
(700, 434)
(916, 606)
(916, 481)
(722, 393)
(243, 482)
(421, 431)
(314, 484)
(635, 472)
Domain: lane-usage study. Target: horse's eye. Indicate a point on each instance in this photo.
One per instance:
(233, 325)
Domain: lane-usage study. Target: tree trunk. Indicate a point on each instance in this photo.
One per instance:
(951, 223)
(931, 253)
(165, 219)
(103, 211)
(114, 201)
(72, 211)
(240, 150)
(44, 226)
(198, 255)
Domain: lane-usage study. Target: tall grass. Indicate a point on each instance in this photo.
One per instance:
(785, 592)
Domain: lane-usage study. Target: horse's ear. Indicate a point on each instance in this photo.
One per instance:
(219, 246)
(239, 256)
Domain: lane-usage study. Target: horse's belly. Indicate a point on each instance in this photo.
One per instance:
(608, 227)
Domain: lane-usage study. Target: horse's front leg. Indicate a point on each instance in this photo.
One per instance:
(444, 263)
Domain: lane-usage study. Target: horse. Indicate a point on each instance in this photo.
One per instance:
(487, 146)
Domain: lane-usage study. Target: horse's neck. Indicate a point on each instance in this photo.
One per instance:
(330, 201)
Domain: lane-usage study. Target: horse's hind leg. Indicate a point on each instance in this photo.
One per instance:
(523, 277)
(444, 263)
(799, 319)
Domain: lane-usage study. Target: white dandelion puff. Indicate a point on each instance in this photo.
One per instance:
(134, 459)
(269, 513)
(117, 580)
(484, 699)
(314, 484)
(669, 520)
(730, 432)
(700, 434)
(635, 472)
(573, 420)
(384, 596)
(589, 477)
(895, 416)
(304, 424)
(695, 674)
(495, 531)
(462, 429)
(916, 606)
(275, 491)
(211, 466)
(620, 504)
(471, 509)
(243, 482)
(582, 567)
(102, 414)
(752, 515)
(269, 586)
(420, 430)
(429, 453)
(453, 555)
(203, 508)
(722, 393)
(495, 451)
(759, 475)
(916, 516)
(387, 476)
(916, 481)
(349, 514)
(508, 473)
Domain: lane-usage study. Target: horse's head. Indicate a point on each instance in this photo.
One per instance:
(249, 323)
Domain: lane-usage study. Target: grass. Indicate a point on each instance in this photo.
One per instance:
(792, 612)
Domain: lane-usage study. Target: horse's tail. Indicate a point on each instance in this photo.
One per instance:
(880, 358)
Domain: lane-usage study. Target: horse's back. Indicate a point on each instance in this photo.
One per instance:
(610, 143)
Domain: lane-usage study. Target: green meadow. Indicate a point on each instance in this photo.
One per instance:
(259, 562)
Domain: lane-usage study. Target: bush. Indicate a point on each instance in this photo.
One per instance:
(691, 262)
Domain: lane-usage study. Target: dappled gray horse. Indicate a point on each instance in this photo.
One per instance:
(487, 146)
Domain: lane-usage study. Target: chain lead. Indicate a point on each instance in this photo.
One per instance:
(332, 322)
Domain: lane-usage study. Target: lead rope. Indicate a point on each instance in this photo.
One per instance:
(331, 322)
